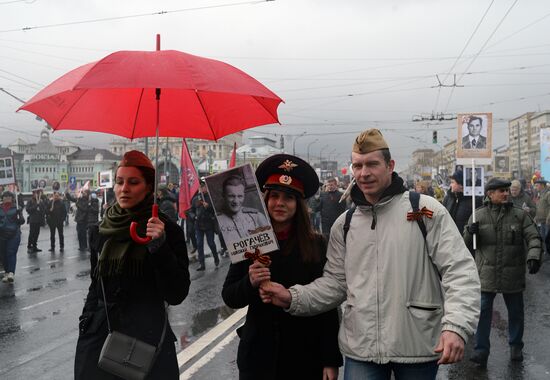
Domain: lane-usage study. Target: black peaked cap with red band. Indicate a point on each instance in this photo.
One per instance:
(287, 172)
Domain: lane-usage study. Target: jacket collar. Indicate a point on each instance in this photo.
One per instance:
(396, 187)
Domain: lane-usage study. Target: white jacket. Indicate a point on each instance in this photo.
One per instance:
(397, 304)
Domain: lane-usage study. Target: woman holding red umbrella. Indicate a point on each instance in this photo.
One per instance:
(274, 344)
(137, 279)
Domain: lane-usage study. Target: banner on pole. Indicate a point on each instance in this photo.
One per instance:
(189, 181)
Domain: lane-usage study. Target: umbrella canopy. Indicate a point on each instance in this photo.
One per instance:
(200, 97)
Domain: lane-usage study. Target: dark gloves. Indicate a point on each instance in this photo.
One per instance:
(533, 266)
(473, 228)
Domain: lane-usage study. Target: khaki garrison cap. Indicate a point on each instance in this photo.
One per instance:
(369, 141)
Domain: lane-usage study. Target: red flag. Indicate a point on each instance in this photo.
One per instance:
(189, 181)
(233, 159)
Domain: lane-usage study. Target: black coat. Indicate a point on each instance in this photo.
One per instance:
(330, 208)
(460, 208)
(136, 306)
(167, 205)
(93, 211)
(36, 210)
(205, 218)
(55, 215)
(275, 344)
(82, 206)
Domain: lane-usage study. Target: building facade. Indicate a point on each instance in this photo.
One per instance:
(40, 164)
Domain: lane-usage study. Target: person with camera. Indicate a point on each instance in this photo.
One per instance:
(507, 243)
(132, 282)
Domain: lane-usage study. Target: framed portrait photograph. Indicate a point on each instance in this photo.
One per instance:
(241, 214)
(7, 172)
(479, 187)
(475, 135)
(502, 165)
(106, 179)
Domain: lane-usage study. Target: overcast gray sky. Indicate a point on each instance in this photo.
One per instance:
(341, 66)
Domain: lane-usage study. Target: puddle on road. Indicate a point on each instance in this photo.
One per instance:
(84, 273)
(56, 282)
(9, 329)
(202, 322)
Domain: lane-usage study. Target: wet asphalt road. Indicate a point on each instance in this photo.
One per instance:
(39, 312)
(39, 319)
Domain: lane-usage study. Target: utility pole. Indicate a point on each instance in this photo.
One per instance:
(294, 142)
(519, 152)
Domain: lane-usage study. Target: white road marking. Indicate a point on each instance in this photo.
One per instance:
(51, 300)
(208, 356)
(190, 352)
(52, 261)
(27, 267)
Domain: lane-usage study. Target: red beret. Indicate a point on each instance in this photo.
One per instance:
(136, 158)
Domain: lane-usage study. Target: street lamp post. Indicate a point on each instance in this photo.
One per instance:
(294, 143)
(321, 159)
(308, 145)
(321, 153)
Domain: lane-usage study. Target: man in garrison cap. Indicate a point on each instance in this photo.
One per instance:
(236, 221)
(507, 242)
(412, 299)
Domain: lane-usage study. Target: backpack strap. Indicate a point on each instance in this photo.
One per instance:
(347, 223)
(414, 197)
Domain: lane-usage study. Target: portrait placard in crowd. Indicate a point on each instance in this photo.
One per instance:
(240, 210)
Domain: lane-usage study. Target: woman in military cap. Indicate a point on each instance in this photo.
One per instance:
(275, 344)
(137, 279)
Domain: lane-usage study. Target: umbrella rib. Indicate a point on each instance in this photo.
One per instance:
(70, 108)
(137, 113)
(206, 115)
(273, 116)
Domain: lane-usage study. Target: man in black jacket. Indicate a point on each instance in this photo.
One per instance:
(167, 203)
(205, 224)
(330, 206)
(55, 217)
(36, 209)
(81, 218)
(458, 205)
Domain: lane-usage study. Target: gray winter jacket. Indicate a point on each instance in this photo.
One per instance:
(397, 304)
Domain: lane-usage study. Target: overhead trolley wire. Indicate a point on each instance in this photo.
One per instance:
(479, 51)
(462, 52)
(27, 28)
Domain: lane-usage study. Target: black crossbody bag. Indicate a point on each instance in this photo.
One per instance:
(126, 356)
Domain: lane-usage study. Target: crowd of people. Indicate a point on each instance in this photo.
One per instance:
(380, 278)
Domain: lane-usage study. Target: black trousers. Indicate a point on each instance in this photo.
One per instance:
(59, 227)
(34, 231)
(82, 233)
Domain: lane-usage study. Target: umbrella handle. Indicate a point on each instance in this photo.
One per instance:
(133, 228)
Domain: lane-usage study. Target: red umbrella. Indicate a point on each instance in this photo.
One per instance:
(156, 93)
